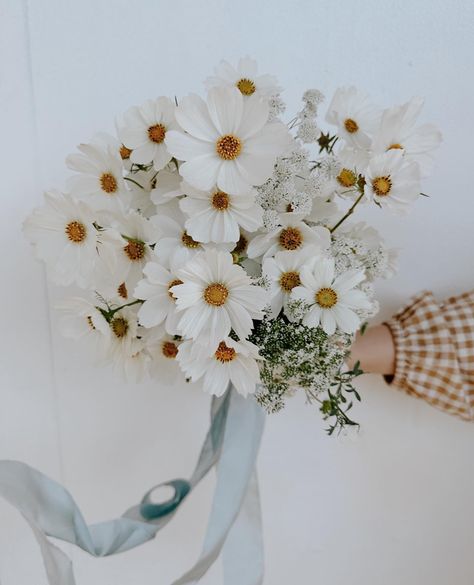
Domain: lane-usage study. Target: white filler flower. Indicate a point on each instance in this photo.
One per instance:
(227, 141)
(331, 299)
(143, 130)
(231, 361)
(244, 77)
(392, 181)
(215, 297)
(64, 237)
(215, 216)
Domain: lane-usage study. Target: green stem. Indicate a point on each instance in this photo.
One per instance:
(133, 181)
(111, 312)
(348, 214)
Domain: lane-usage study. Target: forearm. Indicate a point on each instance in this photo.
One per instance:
(374, 350)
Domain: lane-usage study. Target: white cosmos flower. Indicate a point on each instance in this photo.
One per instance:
(166, 187)
(140, 184)
(160, 304)
(143, 130)
(344, 180)
(215, 216)
(392, 263)
(175, 246)
(126, 248)
(151, 189)
(398, 130)
(100, 176)
(283, 272)
(324, 211)
(82, 319)
(111, 142)
(64, 237)
(244, 77)
(228, 361)
(164, 365)
(227, 141)
(354, 115)
(215, 297)
(292, 234)
(392, 181)
(125, 348)
(331, 299)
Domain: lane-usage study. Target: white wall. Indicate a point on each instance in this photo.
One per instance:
(393, 504)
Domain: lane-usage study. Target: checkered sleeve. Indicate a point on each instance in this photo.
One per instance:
(434, 351)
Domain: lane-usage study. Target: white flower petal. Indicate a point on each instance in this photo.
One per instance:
(225, 105)
(254, 117)
(202, 171)
(193, 116)
(328, 321)
(313, 316)
(186, 147)
(230, 179)
(346, 319)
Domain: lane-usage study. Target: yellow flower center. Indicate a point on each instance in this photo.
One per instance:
(220, 201)
(288, 280)
(216, 294)
(169, 349)
(326, 298)
(229, 147)
(351, 125)
(125, 152)
(224, 353)
(382, 185)
(291, 238)
(347, 178)
(76, 232)
(171, 284)
(246, 86)
(108, 183)
(157, 133)
(122, 291)
(395, 146)
(135, 250)
(119, 326)
(241, 245)
(188, 241)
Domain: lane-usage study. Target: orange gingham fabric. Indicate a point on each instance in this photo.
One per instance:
(434, 349)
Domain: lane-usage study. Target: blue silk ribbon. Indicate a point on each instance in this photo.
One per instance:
(234, 528)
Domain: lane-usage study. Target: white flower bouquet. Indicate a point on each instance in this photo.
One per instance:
(213, 241)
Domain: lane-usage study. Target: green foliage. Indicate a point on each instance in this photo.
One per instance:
(338, 403)
(305, 358)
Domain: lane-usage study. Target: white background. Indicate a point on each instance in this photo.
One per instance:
(394, 503)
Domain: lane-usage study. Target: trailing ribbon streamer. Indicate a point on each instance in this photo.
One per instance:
(231, 445)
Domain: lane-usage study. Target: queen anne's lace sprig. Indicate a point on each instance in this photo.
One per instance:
(213, 241)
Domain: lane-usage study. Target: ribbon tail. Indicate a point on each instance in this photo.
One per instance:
(57, 564)
(232, 444)
(242, 436)
(243, 556)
